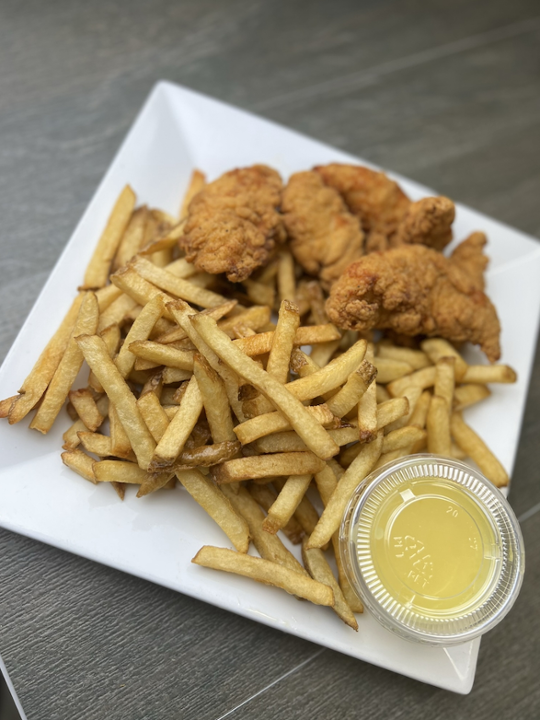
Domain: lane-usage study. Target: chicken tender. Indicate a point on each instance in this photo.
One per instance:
(469, 257)
(324, 236)
(233, 224)
(426, 222)
(378, 201)
(414, 290)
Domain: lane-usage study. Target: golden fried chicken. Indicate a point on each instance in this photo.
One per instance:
(426, 222)
(324, 236)
(414, 290)
(233, 224)
(469, 257)
(388, 217)
(378, 201)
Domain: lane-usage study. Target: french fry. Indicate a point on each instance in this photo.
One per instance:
(391, 410)
(322, 352)
(489, 374)
(266, 572)
(120, 443)
(418, 417)
(267, 466)
(438, 427)
(260, 293)
(105, 297)
(268, 546)
(218, 507)
(176, 286)
(475, 448)
(139, 331)
(257, 427)
(316, 302)
(153, 414)
(160, 243)
(5, 405)
(97, 272)
(255, 318)
(157, 354)
(349, 395)
(68, 367)
(402, 438)
(132, 239)
(286, 503)
(178, 333)
(174, 438)
(382, 394)
(422, 379)
(85, 405)
(196, 184)
(290, 442)
(214, 397)
(412, 394)
(367, 408)
(465, 395)
(117, 312)
(154, 384)
(353, 476)
(119, 471)
(319, 569)
(415, 358)
(265, 495)
(173, 375)
(436, 348)
(138, 289)
(97, 357)
(445, 380)
(261, 343)
(208, 455)
(183, 269)
(389, 369)
(311, 432)
(81, 463)
(43, 371)
(285, 276)
(283, 341)
(111, 336)
(456, 451)
(96, 443)
(71, 438)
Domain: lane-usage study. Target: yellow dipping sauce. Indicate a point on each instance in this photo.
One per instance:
(433, 549)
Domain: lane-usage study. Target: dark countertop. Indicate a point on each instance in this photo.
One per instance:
(445, 93)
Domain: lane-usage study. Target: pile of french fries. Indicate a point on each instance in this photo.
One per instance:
(270, 427)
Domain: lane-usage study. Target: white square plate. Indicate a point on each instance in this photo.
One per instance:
(155, 537)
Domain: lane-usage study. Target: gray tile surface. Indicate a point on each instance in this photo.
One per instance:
(446, 93)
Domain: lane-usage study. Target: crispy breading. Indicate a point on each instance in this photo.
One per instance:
(233, 224)
(415, 290)
(324, 236)
(378, 201)
(470, 258)
(426, 222)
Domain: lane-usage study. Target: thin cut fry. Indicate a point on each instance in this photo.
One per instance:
(132, 239)
(283, 341)
(412, 394)
(415, 358)
(68, 368)
(268, 546)
(418, 417)
(174, 438)
(353, 476)
(111, 336)
(286, 503)
(119, 471)
(97, 271)
(97, 357)
(120, 443)
(438, 427)
(42, 373)
(313, 434)
(389, 369)
(436, 348)
(266, 572)
(81, 463)
(352, 391)
(216, 504)
(139, 331)
(85, 405)
(391, 410)
(96, 443)
(445, 380)
(367, 408)
(117, 312)
(274, 422)
(465, 395)
(138, 289)
(489, 374)
(158, 354)
(5, 405)
(421, 378)
(267, 466)
(402, 438)
(153, 414)
(214, 397)
(285, 277)
(319, 569)
(307, 335)
(290, 442)
(265, 495)
(475, 448)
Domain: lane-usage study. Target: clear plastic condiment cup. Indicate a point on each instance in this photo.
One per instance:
(433, 549)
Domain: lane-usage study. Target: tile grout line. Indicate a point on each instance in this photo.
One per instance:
(529, 513)
(275, 682)
(365, 77)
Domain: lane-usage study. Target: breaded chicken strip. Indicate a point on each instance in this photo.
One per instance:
(233, 224)
(324, 236)
(388, 217)
(414, 290)
(378, 201)
(426, 222)
(470, 258)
